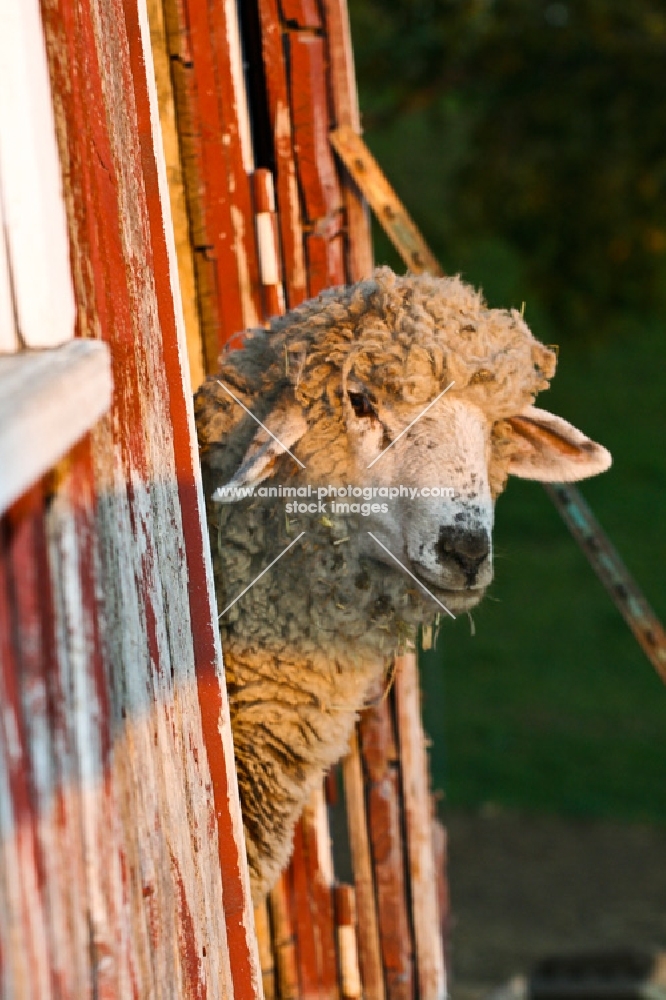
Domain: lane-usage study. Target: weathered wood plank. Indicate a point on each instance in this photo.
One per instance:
(390, 211)
(319, 863)
(379, 753)
(440, 852)
(177, 199)
(302, 916)
(301, 13)
(345, 919)
(286, 184)
(48, 400)
(216, 154)
(28, 967)
(346, 113)
(317, 173)
(369, 944)
(268, 243)
(177, 817)
(326, 261)
(418, 824)
(283, 937)
(262, 923)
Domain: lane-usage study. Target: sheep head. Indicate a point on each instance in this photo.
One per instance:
(396, 384)
(414, 381)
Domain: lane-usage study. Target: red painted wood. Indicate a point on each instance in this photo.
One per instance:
(30, 966)
(321, 905)
(272, 293)
(326, 262)
(379, 755)
(149, 503)
(212, 695)
(317, 172)
(302, 917)
(214, 133)
(302, 13)
(286, 183)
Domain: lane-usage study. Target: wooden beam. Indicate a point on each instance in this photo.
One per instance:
(390, 211)
(48, 400)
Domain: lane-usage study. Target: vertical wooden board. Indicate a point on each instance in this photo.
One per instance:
(201, 629)
(35, 230)
(213, 131)
(341, 64)
(262, 922)
(301, 13)
(379, 755)
(326, 263)
(286, 184)
(26, 969)
(369, 944)
(418, 815)
(51, 754)
(345, 112)
(345, 918)
(317, 174)
(440, 852)
(304, 928)
(176, 830)
(176, 190)
(321, 899)
(283, 937)
(81, 728)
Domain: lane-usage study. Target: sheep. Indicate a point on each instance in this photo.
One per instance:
(396, 381)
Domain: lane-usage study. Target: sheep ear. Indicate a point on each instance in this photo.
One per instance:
(551, 450)
(283, 428)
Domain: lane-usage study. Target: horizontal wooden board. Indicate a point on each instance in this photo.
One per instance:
(48, 400)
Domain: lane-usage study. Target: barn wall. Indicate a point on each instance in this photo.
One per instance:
(122, 867)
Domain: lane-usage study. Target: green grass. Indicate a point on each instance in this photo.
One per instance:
(552, 706)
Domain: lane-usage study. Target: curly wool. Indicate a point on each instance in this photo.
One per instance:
(303, 649)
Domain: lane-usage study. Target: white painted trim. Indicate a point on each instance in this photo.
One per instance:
(48, 400)
(268, 262)
(34, 210)
(8, 337)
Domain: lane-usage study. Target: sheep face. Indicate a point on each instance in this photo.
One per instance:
(445, 540)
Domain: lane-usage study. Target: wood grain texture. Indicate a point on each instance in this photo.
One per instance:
(358, 245)
(121, 804)
(380, 760)
(423, 882)
(286, 183)
(369, 944)
(48, 400)
(301, 13)
(283, 938)
(317, 174)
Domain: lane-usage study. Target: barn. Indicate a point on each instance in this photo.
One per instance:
(167, 180)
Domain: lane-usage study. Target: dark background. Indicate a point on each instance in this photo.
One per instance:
(528, 140)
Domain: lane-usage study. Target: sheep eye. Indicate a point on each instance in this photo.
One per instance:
(361, 404)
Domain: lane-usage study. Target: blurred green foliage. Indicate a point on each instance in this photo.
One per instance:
(529, 137)
(528, 140)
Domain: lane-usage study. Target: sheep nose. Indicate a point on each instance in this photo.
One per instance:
(468, 548)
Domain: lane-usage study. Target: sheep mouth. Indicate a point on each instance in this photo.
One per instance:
(455, 601)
